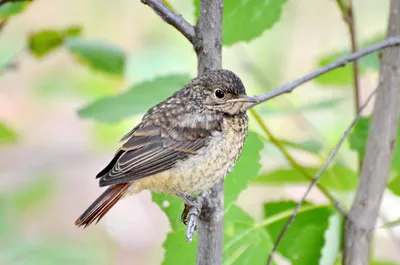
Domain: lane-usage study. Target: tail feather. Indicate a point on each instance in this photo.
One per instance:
(102, 205)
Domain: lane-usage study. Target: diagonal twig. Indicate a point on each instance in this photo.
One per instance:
(295, 164)
(318, 175)
(172, 18)
(289, 87)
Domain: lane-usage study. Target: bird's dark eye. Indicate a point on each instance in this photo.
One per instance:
(219, 93)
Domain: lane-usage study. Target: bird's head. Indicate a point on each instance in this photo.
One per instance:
(220, 90)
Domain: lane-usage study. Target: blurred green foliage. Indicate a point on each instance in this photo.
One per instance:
(344, 75)
(315, 235)
(18, 249)
(10, 9)
(7, 135)
(246, 20)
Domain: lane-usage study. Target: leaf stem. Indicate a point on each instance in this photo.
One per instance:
(349, 19)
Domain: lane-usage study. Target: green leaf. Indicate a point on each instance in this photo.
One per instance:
(394, 185)
(333, 238)
(344, 75)
(10, 9)
(245, 20)
(98, 55)
(172, 207)
(358, 139)
(245, 242)
(136, 100)
(48, 251)
(246, 168)
(336, 177)
(359, 135)
(43, 42)
(304, 240)
(177, 251)
(31, 195)
(7, 135)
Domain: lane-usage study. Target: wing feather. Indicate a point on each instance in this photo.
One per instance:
(150, 150)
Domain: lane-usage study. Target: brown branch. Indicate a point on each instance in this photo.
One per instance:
(172, 18)
(289, 87)
(208, 48)
(378, 154)
(317, 176)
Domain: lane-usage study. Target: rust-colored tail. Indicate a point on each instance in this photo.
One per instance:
(102, 205)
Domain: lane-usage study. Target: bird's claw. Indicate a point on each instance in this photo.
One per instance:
(191, 224)
(190, 214)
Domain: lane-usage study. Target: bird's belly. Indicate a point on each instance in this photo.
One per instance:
(199, 172)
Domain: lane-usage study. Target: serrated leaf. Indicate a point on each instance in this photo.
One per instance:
(42, 42)
(344, 75)
(7, 135)
(98, 55)
(336, 177)
(245, 20)
(358, 140)
(138, 99)
(304, 240)
(245, 242)
(10, 9)
(246, 168)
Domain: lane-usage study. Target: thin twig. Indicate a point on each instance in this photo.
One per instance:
(349, 19)
(294, 163)
(172, 18)
(259, 74)
(289, 87)
(318, 175)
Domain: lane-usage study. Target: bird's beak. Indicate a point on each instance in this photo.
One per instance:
(243, 99)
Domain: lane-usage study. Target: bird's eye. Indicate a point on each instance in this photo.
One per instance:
(219, 93)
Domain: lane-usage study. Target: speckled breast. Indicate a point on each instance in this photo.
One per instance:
(213, 162)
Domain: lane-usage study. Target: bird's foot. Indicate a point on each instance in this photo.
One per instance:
(190, 214)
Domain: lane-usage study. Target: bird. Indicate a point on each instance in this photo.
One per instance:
(183, 146)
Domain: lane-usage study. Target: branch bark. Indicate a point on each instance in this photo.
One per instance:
(172, 18)
(208, 47)
(289, 87)
(378, 156)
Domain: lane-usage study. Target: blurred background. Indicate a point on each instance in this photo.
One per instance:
(47, 171)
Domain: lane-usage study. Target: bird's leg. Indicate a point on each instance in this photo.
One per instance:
(190, 202)
(190, 213)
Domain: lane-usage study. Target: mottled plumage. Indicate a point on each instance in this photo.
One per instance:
(182, 146)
